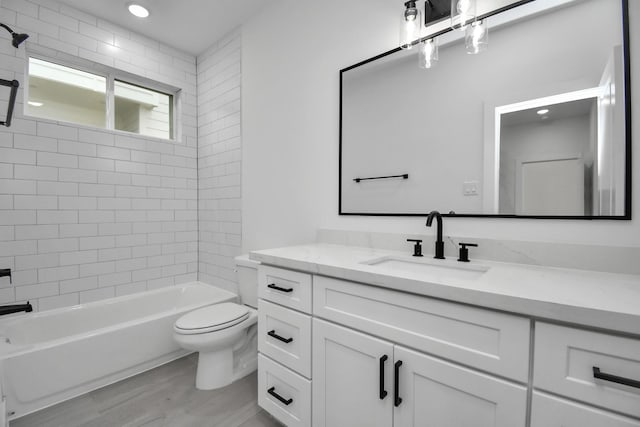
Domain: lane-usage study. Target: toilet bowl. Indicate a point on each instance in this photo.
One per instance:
(216, 332)
(224, 334)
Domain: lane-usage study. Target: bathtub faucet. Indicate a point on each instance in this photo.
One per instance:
(15, 308)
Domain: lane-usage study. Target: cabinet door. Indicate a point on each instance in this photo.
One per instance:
(347, 378)
(436, 393)
(551, 411)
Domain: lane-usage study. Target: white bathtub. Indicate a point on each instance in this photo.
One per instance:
(52, 356)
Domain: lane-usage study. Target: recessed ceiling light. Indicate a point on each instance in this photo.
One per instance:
(35, 104)
(138, 10)
(543, 111)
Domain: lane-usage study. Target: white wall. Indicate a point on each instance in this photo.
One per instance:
(292, 54)
(87, 214)
(219, 145)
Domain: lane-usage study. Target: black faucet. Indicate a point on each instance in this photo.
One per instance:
(15, 308)
(439, 242)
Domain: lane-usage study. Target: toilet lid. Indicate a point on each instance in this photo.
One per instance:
(212, 318)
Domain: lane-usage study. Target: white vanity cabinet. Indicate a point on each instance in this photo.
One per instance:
(352, 354)
(360, 380)
(284, 345)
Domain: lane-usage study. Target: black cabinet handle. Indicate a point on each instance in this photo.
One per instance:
(278, 288)
(383, 392)
(273, 334)
(272, 392)
(614, 379)
(396, 385)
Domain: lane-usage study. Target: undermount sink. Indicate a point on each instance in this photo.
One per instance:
(436, 269)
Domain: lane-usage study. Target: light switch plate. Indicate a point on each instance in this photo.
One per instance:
(471, 188)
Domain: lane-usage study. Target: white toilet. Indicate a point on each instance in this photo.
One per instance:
(224, 334)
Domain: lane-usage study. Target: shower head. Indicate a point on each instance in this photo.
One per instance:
(17, 38)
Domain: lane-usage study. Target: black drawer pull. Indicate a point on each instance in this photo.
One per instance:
(278, 337)
(614, 379)
(396, 386)
(383, 392)
(272, 392)
(278, 288)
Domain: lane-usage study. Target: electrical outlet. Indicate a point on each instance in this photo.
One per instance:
(471, 188)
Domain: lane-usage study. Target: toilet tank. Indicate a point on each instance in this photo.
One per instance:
(247, 274)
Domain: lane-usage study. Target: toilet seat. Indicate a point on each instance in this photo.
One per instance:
(211, 318)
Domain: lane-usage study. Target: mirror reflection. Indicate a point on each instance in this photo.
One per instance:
(534, 126)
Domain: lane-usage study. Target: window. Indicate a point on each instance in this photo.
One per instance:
(63, 93)
(141, 110)
(68, 94)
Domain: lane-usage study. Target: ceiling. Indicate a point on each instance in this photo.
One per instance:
(191, 26)
(562, 110)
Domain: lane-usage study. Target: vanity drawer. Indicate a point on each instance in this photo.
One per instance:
(285, 336)
(564, 364)
(551, 411)
(283, 394)
(285, 287)
(484, 339)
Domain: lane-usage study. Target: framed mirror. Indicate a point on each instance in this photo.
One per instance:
(536, 126)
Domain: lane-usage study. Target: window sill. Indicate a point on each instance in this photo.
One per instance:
(98, 129)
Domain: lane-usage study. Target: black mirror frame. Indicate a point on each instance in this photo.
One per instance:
(628, 142)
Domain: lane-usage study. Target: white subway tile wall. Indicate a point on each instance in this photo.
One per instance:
(219, 156)
(87, 214)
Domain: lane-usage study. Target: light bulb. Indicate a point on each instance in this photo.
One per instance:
(462, 13)
(476, 37)
(428, 53)
(410, 25)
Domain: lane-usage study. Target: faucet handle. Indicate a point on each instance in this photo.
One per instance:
(464, 252)
(417, 248)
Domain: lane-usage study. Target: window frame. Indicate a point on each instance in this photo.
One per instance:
(110, 75)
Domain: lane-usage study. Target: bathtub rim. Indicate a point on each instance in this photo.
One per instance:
(8, 350)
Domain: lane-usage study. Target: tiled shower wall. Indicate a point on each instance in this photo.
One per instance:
(87, 214)
(219, 160)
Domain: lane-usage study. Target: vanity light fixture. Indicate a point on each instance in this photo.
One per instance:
(463, 12)
(138, 10)
(410, 25)
(428, 53)
(476, 37)
(462, 15)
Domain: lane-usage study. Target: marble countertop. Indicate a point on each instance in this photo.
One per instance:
(596, 299)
